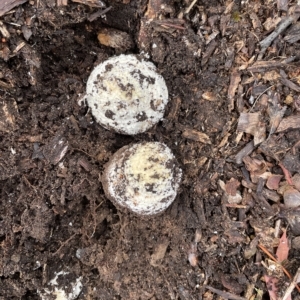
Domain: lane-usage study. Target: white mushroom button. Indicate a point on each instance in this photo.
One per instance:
(126, 94)
(143, 178)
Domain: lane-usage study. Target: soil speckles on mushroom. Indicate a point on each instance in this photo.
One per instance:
(129, 90)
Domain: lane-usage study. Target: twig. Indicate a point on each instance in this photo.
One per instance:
(295, 147)
(172, 26)
(265, 43)
(286, 174)
(293, 284)
(190, 7)
(258, 97)
(225, 295)
(264, 249)
(98, 13)
(64, 243)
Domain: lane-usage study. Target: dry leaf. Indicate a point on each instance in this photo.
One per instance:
(282, 252)
(271, 283)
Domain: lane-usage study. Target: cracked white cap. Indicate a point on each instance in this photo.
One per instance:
(57, 292)
(126, 94)
(143, 178)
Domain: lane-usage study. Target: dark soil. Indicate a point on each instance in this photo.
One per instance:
(53, 213)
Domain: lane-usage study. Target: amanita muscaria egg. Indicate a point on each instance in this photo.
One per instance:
(143, 178)
(126, 94)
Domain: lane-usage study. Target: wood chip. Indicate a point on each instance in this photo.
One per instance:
(291, 122)
(276, 113)
(255, 166)
(230, 52)
(208, 52)
(231, 186)
(282, 5)
(196, 136)
(247, 150)
(116, 39)
(56, 149)
(248, 122)
(235, 79)
(225, 295)
(290, 84)
(174, 109)
(159, 253)
(92, 17)
(7, 5)
(8, 114)
(293, 34)
(210, 96)
(281, 27)
(271, 195)
(273, 181)
(255, 20)
(62, 2)
(274, 147)
(261, 66)
(4, 31)
(91, 3)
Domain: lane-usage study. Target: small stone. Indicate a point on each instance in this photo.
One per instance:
(296, 243)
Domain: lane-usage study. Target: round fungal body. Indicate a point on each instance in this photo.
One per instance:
(126, 94)
(143, 177)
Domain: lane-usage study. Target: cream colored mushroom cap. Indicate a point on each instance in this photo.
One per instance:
(143, 177)
(126, 94)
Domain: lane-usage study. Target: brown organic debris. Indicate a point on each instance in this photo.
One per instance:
(7, 5)
(290, 84)
(235, 79)
(8, 114)
(251, 123)
(91, 3)
(159, 253)
(196, 136)
(291, 122)
(282, 5)
(231, 195)
(276, 113)
(281, 27)
(56, 149)
(261, 66)
(257, 168)
(291, 197)
(245, 151)
(115, 38)
(210, 96)
(273, 181)
(293, 35)
(231, 186)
